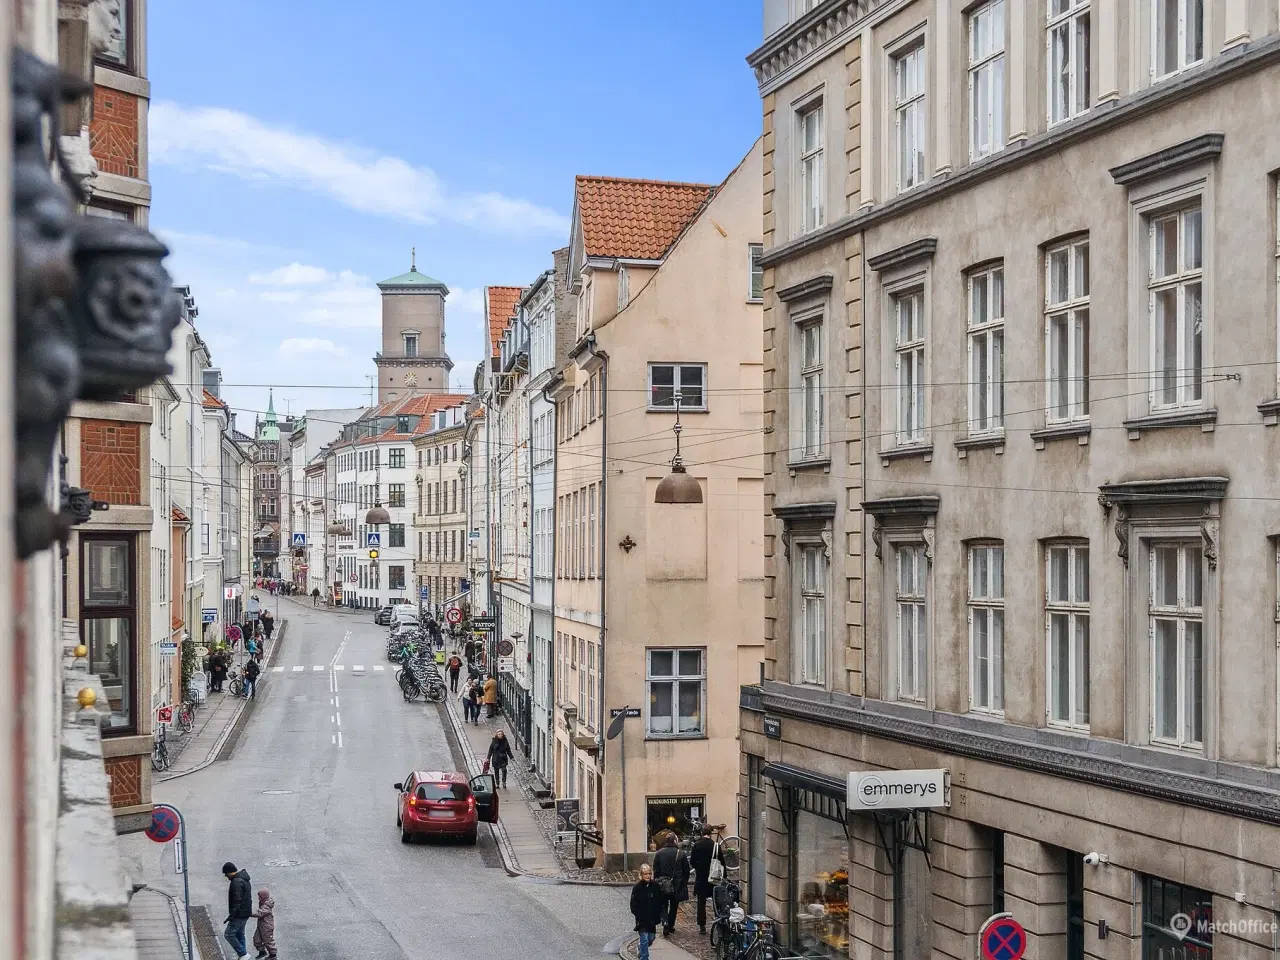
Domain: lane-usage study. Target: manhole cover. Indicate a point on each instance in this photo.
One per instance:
(276, 793)
(283, 863)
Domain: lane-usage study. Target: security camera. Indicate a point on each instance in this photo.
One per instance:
(1093, 859)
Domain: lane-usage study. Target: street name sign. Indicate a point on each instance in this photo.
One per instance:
(168, 648)
(618, 711)
(208, 614)
(898, 789)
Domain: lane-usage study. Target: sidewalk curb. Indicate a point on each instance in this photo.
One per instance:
(180, 924)
(237, 719)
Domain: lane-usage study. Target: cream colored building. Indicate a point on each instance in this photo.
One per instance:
(440, 518)
(657, 606)
(1025, 531)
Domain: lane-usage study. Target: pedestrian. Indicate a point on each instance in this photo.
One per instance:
(251, 671)
(455, 668)
(239, 908)
(264, 934)
(671, 872)
(218, 670)
(705, 852)
(491, 696)
(477, 695)
(647, 906)
(499, 756)
(251, 647)
(268, 623)
(315, 596)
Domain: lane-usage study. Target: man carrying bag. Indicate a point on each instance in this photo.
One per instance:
(671, 873)
(707, 860)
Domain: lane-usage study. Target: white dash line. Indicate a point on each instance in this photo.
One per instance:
(331, 718)
(335, 701)
(298, 669)
(332, 738)
(339, 666)
(379, 667)
(317, 668)
(277, 669)
(339, 738)
(358, 668)
(339, 715)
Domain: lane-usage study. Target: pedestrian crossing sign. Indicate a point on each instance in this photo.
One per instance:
(299, 539)
(373, 540)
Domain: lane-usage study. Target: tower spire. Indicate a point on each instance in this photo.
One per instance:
(413, 259)
(271, 406)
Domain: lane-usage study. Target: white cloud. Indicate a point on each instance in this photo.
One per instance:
(295, 274)
(310, 345)
(238, 144)
(465, 300)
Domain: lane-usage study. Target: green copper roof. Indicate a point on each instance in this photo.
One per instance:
(412, 279)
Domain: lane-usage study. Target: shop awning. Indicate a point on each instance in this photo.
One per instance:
(806, 780)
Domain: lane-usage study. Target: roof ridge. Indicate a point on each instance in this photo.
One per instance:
(600, 178)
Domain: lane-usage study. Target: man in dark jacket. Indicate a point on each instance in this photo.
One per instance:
(671, 872)
(239, 907)
(705, 850)
(251, 671)
(647, 906)
(499, 756)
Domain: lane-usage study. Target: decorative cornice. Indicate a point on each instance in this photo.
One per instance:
(1207, 146)
(922, 249)
(805, 288)
(1228, 797)
(811, 38)
(1147, 492)
(1259, 55)
(792, 512)
(413, 362)
(889, 507)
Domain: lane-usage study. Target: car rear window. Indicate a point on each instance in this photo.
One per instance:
(443, 791)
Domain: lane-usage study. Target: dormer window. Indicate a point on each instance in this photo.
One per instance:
(410, 344)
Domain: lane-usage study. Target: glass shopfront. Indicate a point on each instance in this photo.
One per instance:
(680, 815)
(820, 889)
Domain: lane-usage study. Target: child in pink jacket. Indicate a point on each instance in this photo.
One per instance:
(264, 935)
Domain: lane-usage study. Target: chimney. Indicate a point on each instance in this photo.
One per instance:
(213, 381)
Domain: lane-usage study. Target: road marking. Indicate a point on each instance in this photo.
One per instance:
(298, 669)
(335, 702)
(339, 715)
(339, 666)
(333, 738)
(277, 669)
(317, 668)
(339, 738)
(331, 718)
(358, 668)
(379, 667)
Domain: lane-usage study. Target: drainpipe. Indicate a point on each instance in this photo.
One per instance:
(551, 660)
(863, 492)
(604, 474)
(192, 532)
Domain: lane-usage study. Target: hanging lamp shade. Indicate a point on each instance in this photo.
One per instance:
(338, 529)
(678, 487)
(377, 514)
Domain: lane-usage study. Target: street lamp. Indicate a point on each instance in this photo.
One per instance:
(678, 486)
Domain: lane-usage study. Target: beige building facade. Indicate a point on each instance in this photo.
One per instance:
(440, 521)
(1049, 567)
(657, 605)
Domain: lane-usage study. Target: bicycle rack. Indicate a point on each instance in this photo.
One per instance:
(586, 835)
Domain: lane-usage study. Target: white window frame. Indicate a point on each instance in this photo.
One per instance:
(673, 680)
(1067, 32)
(910, 365)
(910, 85)
(678, 386)
(417, 344)
(811, 198)
(911, 605)
(1183, 61)
(811, 401)
(987, 78)
(755, 273)
(1067, 314)
(985, 330)
(986, 607)
(812, 595)
(1073, 610)
(1182, 613)
(1188, 379)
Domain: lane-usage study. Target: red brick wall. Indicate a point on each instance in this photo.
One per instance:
(113, 132)
(126, 780)
(111, 460)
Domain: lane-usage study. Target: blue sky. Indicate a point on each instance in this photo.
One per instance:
(300, 149)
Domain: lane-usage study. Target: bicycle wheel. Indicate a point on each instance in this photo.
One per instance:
(435, 693)
(235, 687)
(410, 692)
(159, 757)
(716, 935)
(731, 850)
(185, 719)
(763, 949)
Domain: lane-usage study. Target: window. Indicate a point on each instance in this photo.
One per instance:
(986, 627)
(1068, 57)
(591, 530)
(986, 350)
(1067, 331)
(395, 535)
(593, 719)
(1177, 643)
(593, 393)
(811, 377)
(687, 379)
(1162, 901)
(108, 625)
(403, 425)
(909, 119)
(909, 311)
(624, 287)
(395, 494)
(1067, 631)
(812, 653)
(395, 578)
(809, 123)
(205, 540)
(395, 458)
(1178, 36)
(410, 344)
(1175, 305)
(677, 693)
(755, 272)
(986, 79)
(913, 638)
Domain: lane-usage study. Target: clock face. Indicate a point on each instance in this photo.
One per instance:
(411, 380)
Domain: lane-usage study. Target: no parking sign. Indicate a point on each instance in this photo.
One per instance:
(1002, 938)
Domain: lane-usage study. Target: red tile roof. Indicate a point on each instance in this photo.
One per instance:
(211, 401)
(417, 405)
(177, 516)
(635, 219)
(501, 302)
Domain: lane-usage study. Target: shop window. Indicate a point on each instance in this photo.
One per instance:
(821, 850)
(109, 625)
(679, 815)
(1163, 904)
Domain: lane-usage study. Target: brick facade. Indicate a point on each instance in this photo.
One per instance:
(126, 780)
(113, 132)
(110, 461)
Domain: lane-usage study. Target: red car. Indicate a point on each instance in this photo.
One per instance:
(445, 805)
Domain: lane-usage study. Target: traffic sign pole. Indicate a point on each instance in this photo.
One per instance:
(167, 823)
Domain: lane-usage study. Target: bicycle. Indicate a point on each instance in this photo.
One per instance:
(235, 685)
(186, 716)
(747, 938)
(160, 751)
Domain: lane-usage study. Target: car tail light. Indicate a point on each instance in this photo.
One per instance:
(471, 803)
(413, 801)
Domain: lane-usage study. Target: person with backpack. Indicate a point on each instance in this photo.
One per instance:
(455, 668)
(671, 873)
(251, 671)
(707, 860)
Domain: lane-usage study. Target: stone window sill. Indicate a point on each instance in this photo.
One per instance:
(812, 463)
(1078, 431)
(907, 452)
(1205, 419)
(1270, 410)
(993, 441)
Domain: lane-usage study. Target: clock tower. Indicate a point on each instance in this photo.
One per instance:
(412, 359)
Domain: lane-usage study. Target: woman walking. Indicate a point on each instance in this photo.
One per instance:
(499, 756)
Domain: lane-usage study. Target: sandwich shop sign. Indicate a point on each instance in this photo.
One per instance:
(898, 789)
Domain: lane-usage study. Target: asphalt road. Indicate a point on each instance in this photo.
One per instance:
(313, 820)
